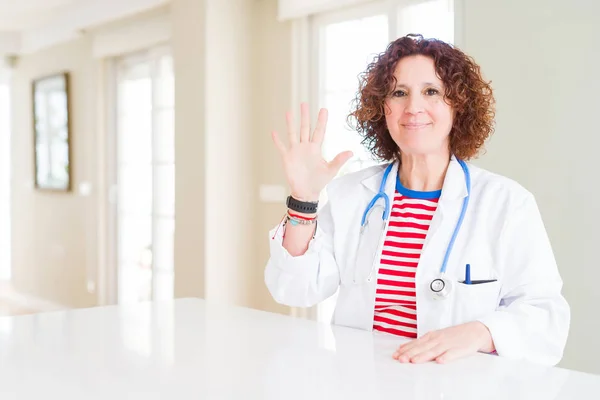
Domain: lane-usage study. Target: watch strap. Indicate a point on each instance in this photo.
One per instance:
(305, 207)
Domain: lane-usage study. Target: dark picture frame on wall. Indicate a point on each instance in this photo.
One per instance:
(52, 132)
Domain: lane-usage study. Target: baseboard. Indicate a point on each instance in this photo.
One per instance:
(27, 301)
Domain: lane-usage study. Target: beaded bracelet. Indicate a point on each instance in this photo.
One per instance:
(295, 219)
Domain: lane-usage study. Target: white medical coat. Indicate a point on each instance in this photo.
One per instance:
(502, 237)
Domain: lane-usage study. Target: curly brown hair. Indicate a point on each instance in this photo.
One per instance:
(466, 91)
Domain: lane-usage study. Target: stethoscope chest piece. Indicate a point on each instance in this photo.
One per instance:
(440, 288)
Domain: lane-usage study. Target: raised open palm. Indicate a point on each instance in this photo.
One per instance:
(306, 170)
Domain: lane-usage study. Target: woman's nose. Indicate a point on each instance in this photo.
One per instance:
(415, 104)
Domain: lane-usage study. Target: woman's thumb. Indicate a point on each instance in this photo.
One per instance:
(340, 160)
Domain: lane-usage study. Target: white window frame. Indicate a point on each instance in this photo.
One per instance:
(307, 69)
(320, 21)
(305, 35)
(110, 274)
(115, 40)
(5, 175)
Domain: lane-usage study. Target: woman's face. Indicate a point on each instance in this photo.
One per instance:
(417, 116)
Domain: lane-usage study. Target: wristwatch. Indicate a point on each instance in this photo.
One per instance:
(305, 207)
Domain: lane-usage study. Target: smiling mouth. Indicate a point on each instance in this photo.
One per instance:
(415, 126)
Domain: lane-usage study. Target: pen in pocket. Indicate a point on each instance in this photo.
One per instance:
(468, 274)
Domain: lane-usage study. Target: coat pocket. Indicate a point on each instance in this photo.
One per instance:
(474, 301)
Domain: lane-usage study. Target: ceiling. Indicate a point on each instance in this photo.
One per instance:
(20, 15)
(31, 25)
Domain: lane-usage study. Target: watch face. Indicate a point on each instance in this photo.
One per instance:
(437, 285)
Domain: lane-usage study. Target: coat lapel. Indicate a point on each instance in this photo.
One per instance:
(374, 181)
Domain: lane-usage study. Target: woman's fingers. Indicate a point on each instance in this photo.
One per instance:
(418, 346)
(304, 123)
(319, 133)
(427, 355)
(289, 120)
(280, 146)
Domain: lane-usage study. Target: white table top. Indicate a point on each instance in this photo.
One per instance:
(190, 349)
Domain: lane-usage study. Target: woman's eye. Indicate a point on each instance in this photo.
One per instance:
(398, 93)
(432, 92)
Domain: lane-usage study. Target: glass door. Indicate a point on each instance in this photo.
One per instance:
(5, 180)
(145, 176)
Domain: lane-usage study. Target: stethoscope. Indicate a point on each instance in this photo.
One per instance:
(440, 287)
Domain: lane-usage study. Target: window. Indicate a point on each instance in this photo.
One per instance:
(345, 42)
(5, 180)
(345, 50)
(145, 176)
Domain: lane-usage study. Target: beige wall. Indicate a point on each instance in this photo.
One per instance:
(233, 74)
(51, 231)
(188, 46)
(215, 216)
(233, 86)
(543, 68)
(229, 60)
(272, 96)
(229, 160)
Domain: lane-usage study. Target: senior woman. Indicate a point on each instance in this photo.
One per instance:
(426, 246)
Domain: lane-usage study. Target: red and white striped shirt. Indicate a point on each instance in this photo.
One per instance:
(395, 299)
